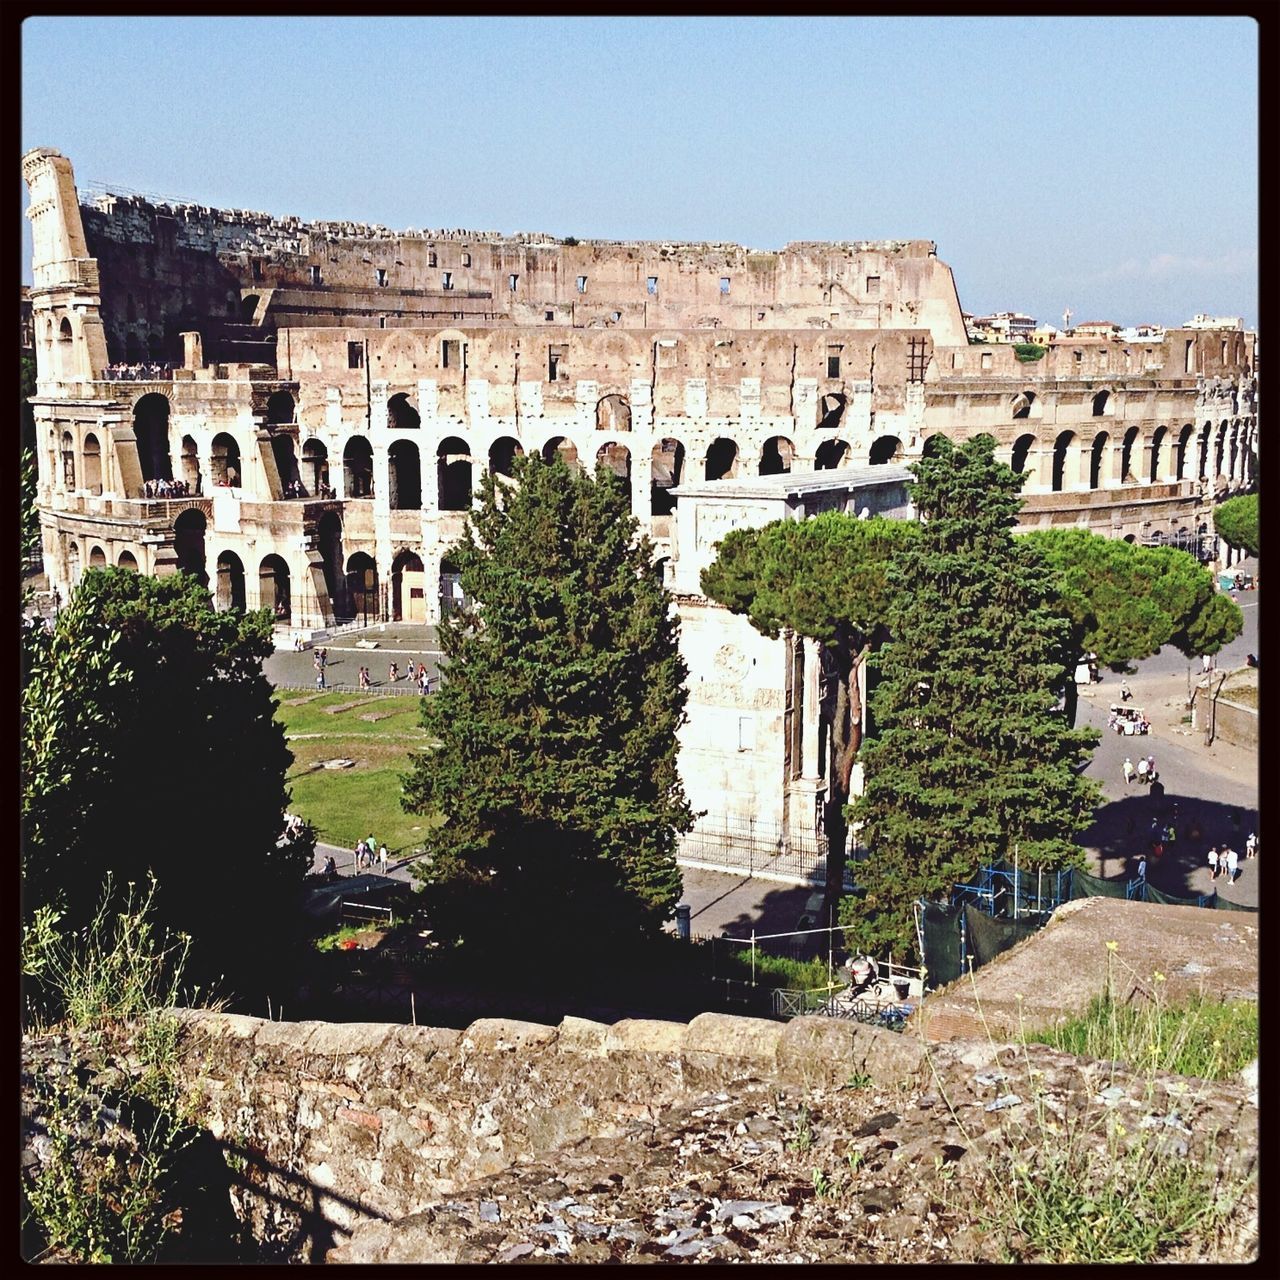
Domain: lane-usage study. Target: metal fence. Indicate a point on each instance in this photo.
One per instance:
(376, 691)
(751, 846)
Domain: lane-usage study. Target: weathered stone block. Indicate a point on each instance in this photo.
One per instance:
(645, 1035)
(726, 1035)
(488, 1034)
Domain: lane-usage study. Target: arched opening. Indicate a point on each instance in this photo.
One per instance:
(188, 544)
(128, 561)
(1022, 447)
(1129, 537)
(453, 471)
(92, 464)
(281, 407)
(722, 460)
(151, 429)
(886, 449)
(357, 468)
(68, 460)
(1064, 456)
(273, 588)
(666, 471)
(315, 468)
(1100, 403)
(1184, 443)
(1205, 434)
(97, 558)
(362, 586)
(401, 415)
(230, 590)
(1021, 405)
(286, 466)
(329, 541)
(408, 589)
(191, 465)
(933, 445)
(1097, 456)
(1126, 456)
(831, 454)
(660, 569)
(1157, 454)
(1220, 450)
(405, 476)
(777, 456)
(73, 563)
(64, 330)
(452, 596)
(615, 458)
(832, 410)
(613, 413)
(502, 455)
(249, 308)
(567, 450)
(224, 460)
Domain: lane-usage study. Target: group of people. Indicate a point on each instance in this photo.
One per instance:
(1144, 771)
(368, 852)
(1226, 861)
(418, 674)
(166, 489)
(147, 372)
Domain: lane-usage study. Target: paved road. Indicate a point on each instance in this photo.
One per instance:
(398, 641)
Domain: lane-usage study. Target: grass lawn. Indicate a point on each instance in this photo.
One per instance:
(344, 805)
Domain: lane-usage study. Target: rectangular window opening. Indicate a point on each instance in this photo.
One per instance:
(315, 275)
(382, 322)
(449, 354)
(432, 260)
(446, 281)
(355, 355)
(466, 259)
(582, 284)
(873, 286)
(257, 269)
(724, 284)
(651, 284)
(554, 357)
(833, 361)
(512, 281)
(380, 275)
(550, 315)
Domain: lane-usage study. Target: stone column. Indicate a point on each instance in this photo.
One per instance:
(641, 481)
(381, 483)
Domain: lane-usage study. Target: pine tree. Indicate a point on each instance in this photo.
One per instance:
(973, 761)
(556, 721)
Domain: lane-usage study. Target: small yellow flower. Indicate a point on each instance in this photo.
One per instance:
(1159, 977)
(1111, 946)
(1121, 1130)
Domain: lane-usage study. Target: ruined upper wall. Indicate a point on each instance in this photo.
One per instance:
(855, 284)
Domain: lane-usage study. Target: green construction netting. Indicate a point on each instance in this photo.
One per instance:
(989, 935)
(1221, 904)
(1084, 885)
(941, 929)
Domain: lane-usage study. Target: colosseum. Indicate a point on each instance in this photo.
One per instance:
(297, 412)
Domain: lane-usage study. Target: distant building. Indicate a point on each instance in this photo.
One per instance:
(1043, 334)
(1005, 326)
(1215, 322)
(1097, 329)
(1143, 333)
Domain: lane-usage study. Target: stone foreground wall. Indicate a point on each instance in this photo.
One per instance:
(343, 1128)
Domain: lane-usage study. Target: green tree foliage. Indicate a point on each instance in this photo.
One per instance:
(1236, 521)
(557, 719)
(824, 578)
(973, 760)
(150, 747)
(1125, 602)
(27, 388)
(30, 528)
(1028, 352)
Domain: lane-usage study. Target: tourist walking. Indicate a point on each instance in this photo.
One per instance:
(1142, 867)
(1233, 865)
(393, 673)
(359, 854)
(320, 678)
(382, 859)
(1128, 771)
(1251, 846)
(1213, 862)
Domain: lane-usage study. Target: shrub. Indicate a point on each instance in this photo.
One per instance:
(1028, 351)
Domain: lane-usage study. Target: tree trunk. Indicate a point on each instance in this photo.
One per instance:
(845, 738)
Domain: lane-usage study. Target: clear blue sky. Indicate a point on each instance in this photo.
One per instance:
(1106, 163)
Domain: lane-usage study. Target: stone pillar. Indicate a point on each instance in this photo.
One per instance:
(192, 351)
(381, 483)
(641, 482)
(430, 471)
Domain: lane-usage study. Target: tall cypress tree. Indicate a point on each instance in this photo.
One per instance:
(973, 760)
(557, 717)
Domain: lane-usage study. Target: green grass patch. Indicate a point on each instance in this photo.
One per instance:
(345, 805)
(1211, 1039)
(779, 971)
